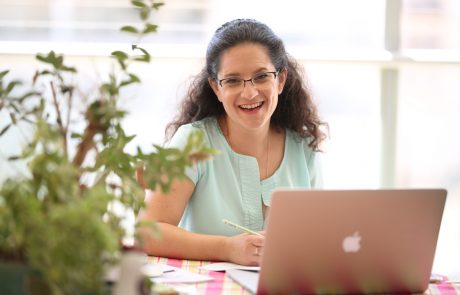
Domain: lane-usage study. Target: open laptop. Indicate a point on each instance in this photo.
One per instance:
(348, 241)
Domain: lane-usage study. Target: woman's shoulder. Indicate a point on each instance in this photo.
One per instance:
(313, 158)
(297, 139)
(206, 125)
(301, 144)
(203, 124)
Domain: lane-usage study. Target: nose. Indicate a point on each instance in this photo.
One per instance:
(248, 80)
(250, 91)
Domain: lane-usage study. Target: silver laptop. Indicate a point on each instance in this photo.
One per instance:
(348, 241)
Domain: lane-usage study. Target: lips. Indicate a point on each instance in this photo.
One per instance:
(251, 107)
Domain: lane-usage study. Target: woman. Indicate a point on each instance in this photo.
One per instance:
(252, 105)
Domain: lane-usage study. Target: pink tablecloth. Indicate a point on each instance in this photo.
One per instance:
(222, 284)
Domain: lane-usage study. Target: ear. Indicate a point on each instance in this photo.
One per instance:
(282, 77)
(215, 88)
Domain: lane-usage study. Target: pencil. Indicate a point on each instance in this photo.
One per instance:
(242, 228)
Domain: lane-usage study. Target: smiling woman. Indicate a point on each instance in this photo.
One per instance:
(247, 107)
(251, 102)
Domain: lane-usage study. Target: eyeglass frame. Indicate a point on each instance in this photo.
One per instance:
(275, 74)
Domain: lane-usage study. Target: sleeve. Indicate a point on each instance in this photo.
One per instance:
(179, 140)
(314, 165)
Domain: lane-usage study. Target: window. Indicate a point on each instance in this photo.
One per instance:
(430, 24)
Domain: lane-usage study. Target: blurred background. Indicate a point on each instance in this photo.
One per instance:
(385, 74)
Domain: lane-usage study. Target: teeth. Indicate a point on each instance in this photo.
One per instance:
(251, 106)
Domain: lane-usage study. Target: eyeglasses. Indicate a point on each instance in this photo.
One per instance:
(260, 81)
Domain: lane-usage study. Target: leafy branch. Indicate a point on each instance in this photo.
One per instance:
(79, 167)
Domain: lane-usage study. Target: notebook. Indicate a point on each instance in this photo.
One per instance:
(348, 241)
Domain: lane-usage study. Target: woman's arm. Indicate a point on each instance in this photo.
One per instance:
(167, 210)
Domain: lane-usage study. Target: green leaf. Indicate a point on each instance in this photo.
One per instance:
(45, 72)
(143, 50)
(14, 158)
(69, 69)
(120, 55)
(109, 88)
(129, 29)
(150, 28)
(58, 61)
(11, 86)
(132, 79)
(42, 58)
(157, 5)
(67, 88)
(120, 114)
(143, 58)
(3, 131)
(26, 95)
(51, 58)
(144, 13)
(3, 74)
(125, 83)
(14, 107)
(138, 3)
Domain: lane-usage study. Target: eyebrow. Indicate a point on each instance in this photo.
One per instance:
(261, 69)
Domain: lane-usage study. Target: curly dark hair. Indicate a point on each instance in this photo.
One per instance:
(295, 109)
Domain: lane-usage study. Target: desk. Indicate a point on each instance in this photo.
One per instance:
(222, 284)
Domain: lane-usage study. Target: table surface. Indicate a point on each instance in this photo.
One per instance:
(222, 284)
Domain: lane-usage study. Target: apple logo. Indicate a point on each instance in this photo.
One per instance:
(351, 244)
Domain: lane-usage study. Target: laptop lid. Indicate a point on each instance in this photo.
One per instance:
(350, 241)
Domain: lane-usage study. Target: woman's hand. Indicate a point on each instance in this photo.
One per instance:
(245, 249)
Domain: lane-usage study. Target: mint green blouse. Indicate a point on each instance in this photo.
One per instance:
(228, 186)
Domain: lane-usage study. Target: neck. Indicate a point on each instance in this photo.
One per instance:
(244, 141)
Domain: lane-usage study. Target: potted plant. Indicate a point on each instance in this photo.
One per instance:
(57, 223)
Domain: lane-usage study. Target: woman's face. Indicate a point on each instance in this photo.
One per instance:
(248, 106)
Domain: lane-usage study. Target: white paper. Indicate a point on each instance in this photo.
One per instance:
(180, 276)
(156, 269)
(148, 269)
(223, 266)
(187, 289)
(247, 279)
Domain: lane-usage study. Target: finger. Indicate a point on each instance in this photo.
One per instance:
(257, 251)
(258, 242)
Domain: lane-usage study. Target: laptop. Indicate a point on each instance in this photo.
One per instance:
(348, 242)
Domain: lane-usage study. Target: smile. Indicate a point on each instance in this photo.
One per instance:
(253, 106)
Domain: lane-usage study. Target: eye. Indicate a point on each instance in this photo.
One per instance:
(231, 81)
(261, 77)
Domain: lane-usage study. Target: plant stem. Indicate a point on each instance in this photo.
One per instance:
(69, 110)
(62, 129)
(85, 145)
